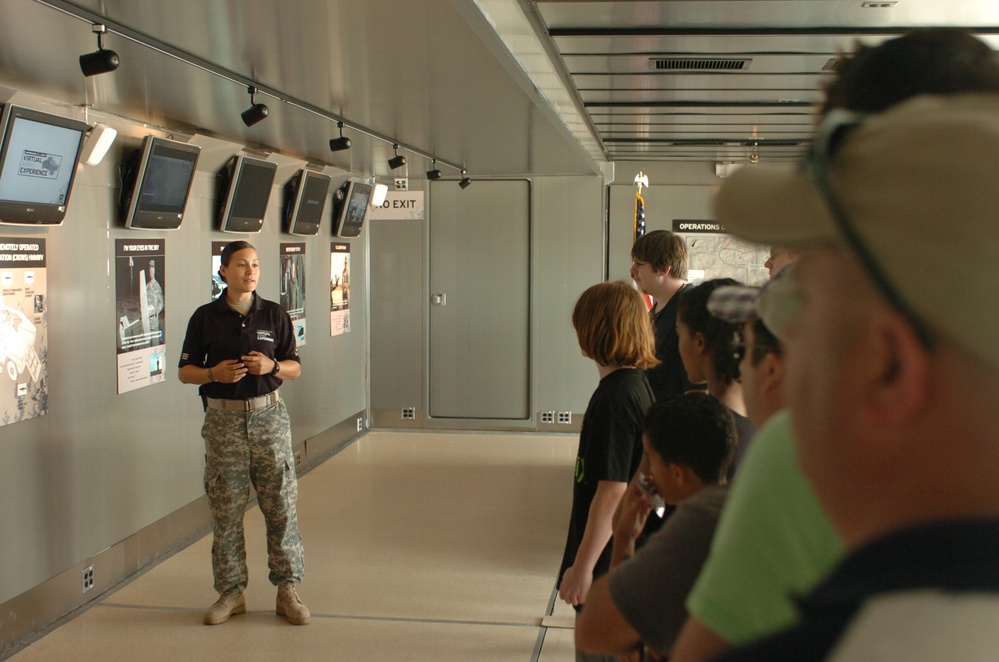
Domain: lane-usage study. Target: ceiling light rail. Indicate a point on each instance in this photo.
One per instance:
(158, 46)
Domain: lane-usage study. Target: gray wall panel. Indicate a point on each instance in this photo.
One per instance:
(101, 466)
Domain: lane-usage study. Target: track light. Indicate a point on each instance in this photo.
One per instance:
(341, 143)
(465, 181)
(256, 112)
(754, 152)
(100, 61)
(396, 161)
(434, 173)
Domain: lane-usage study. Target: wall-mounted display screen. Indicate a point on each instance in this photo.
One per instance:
(306, 193)
(38, 159)
(157, 184)
(244, 190)
(351, 208)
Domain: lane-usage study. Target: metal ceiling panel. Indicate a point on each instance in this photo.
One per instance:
(762, 98)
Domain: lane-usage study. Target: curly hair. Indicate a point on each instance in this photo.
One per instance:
(719, 336)
(693, 429)
(929, 61)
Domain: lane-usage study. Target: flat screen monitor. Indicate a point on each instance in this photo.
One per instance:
(306, 195)
(351, 208)
(38, 159)
(157, 184)
(244, 191)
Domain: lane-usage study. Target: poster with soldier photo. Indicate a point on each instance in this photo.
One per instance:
(218, 285)
(23, 330)
(339, 288)
(292, 287)
(140, 286)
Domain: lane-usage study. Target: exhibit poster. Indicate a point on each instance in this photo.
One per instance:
(217, 283)
(339, 288)
(23, 330)
(292, 287)
(140, 286)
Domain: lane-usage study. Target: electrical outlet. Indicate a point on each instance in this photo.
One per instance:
(298, 460)
(548, 418)
(360, 424)
(409, 413)
(88, 578)
(565, 417)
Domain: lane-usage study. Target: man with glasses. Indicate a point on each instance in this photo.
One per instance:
(893, 377)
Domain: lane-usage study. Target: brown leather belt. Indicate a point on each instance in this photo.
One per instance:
(244, 405)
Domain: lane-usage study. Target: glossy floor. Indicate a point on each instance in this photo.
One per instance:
(419, 546)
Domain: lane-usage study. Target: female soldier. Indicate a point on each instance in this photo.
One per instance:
(239, 348)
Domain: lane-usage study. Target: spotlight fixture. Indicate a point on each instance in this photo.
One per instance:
(396, 161)
(341, 143)
(754, 152)
(465, 181)
(100, 61)
(434, 173)
(256, 112)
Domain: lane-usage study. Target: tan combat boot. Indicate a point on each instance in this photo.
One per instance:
(227, 605)
(290, 605)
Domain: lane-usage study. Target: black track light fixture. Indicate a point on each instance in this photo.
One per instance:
(434, 173)
(465, 181)
(341, 143)
(256, 112)
(396, 161)
(101, 61)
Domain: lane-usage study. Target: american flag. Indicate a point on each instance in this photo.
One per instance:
(639, 216)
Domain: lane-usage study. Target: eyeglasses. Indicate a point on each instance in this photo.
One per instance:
(830, 135)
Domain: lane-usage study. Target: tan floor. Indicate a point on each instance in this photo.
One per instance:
(419, 546)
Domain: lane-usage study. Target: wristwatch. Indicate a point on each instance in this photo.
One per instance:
(277, 366)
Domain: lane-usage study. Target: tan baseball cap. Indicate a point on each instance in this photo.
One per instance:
(919, 185)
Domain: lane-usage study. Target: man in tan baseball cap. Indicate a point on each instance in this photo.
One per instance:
(892, 373)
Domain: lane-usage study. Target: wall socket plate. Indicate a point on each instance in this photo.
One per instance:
(565, 418)
(88, 578)
(548, 418)
(409, 413)
(360, 424)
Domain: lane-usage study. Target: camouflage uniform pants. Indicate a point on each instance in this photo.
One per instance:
(244, 448)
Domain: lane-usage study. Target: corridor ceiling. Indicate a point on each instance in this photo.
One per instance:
(715, 80)
(498, 87)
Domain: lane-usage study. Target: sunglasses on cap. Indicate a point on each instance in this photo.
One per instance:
(829, 137)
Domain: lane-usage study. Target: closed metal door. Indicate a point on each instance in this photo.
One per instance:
(480, 321)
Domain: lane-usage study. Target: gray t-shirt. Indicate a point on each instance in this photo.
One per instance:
(650, 588)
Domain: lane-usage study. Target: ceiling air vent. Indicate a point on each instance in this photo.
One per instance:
(699, 63)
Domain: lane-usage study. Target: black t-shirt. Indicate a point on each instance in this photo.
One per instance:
(669, 377)
(216, 332)
(610, 448)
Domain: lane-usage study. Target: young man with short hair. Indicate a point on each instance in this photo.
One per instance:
(659, 263)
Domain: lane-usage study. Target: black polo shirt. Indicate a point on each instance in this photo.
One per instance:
(216, 332)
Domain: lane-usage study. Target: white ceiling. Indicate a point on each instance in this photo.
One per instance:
(499, 87)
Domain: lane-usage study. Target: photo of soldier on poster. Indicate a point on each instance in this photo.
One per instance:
(292, 287)
(140, 311)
